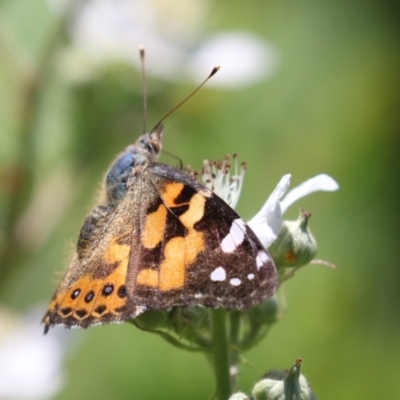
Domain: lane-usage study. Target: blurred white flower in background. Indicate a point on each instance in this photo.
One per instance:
(245, 59)
(30, 362)
(178, 46)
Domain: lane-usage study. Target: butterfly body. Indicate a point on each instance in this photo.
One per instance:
(158, 238)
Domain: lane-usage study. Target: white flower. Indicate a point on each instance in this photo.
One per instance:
(30, 362)
(107, 31)
(266, 224)
(216, 175)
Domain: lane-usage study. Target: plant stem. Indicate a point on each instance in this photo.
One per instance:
(220, 353)
(234, 319)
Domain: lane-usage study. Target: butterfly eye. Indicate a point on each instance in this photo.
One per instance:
(151, 143)
(155, 146)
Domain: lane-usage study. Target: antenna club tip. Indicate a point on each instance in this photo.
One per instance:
(214, 70)
(141, 50)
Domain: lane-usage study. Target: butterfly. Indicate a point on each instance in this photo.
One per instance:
(159, 238)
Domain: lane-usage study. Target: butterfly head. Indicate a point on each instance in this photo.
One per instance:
(151, 143)
(146, 149)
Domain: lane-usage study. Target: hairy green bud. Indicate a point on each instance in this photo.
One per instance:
(284, 385)
(295, 245)
(182, 327)
(152, 319)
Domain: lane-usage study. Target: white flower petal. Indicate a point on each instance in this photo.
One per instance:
(321, 182)
(244, 59)
(266, 224)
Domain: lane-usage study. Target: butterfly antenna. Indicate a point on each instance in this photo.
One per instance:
(142, 59)
(174, 156)
(213, 72)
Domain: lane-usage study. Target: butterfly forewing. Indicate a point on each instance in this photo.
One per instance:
(203, 253)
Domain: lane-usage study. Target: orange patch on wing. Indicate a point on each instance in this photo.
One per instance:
(172, 268)
(78, 305)
(93, 285)
(194, 244)
(147, 277)
(154, 227)
(117, 278)
(68, 301)
(195, 211)
(112, 301)
(171, 192)
(179, 252)
(116, 252)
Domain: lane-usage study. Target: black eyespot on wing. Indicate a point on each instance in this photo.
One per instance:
(121, 309)
(65, 311)
(89, 296)
(100, 309)
(122, 291)
(107, 289)
(81, 313)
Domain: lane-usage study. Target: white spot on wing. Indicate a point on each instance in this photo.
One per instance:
(235, 281)
(250, 277)
(235, 236)
(261, 258)
(218, 275)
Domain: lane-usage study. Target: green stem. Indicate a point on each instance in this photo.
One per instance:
(234, 318)
(220, 353)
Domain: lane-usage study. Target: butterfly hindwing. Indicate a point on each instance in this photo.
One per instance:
(93, 291)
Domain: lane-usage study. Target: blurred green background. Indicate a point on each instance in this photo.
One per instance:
(332, 107)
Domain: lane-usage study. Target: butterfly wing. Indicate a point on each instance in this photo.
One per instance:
(193, 249)
(93, 291)
(169, 242)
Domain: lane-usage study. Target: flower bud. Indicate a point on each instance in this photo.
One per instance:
(182, 327)
(295, 245)
(152, 320)
(189, 322)
(284, 385)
